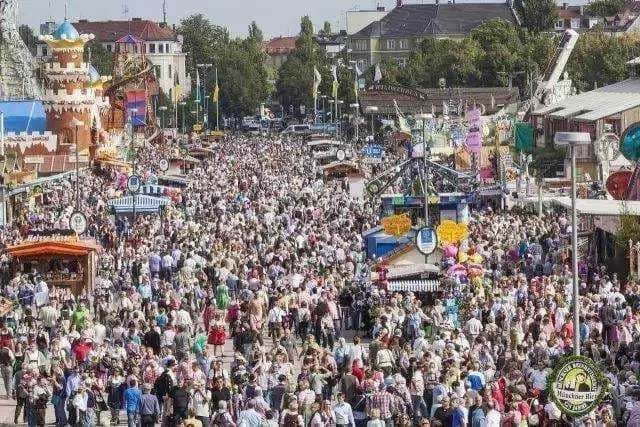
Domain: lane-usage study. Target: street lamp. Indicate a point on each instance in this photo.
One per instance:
(75, 123)
(339, 118)
(426, 177)
(356, 119)
(573, 140)
(182, 104)
(324, 113)
(162, 108)
(204, 67)
(371, 109)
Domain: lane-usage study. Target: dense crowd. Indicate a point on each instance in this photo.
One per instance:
(261, 256)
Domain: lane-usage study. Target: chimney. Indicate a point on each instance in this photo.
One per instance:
(83, 21)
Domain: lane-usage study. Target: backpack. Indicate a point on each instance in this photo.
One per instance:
(162, 385)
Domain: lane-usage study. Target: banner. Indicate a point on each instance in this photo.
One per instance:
(524, 137)
(136, 106)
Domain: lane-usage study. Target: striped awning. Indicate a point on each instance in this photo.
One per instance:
(153, 190)
(413, 285)
(144, 204)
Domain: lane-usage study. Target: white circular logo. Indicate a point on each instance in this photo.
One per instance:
(164, 165)
(134, 183)
(426, 240)
(340, 155)
(78, 222)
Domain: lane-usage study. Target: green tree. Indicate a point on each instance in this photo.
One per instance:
(538, 15)
(452, 60)
(501, 51)
(203, 41)
(294, 85)
(326, 29)
(255, 33)
(27, 36)
(605, 8)
(101, 59)
(600, 59)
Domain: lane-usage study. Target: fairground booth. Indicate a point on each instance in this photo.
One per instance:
(61, 260)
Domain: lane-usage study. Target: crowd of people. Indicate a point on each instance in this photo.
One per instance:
(248, 302)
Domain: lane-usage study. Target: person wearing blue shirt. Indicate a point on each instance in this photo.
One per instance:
(132, 397)
(459, 418)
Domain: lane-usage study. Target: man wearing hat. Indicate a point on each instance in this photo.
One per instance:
(149, 407)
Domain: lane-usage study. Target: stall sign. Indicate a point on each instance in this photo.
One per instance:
(577, 386)
(426, 240)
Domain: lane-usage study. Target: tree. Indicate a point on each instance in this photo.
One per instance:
(295, 76)
(538, 15)
(326, 29)
(29, 39)
(255, 33)
(605, 8)
(101, 59)
(502, 51)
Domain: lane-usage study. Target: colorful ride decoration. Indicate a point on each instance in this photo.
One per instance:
(451, 232)
(397, 225)
(617, 184)
(630, 142)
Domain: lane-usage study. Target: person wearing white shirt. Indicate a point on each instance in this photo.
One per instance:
(343, 413)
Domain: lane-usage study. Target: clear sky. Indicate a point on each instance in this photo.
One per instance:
(275, 17)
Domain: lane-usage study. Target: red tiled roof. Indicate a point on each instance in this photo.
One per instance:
(110, 31)
(280, 45)
(569, 12)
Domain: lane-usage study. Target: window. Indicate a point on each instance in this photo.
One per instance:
(158, 71)
(418, 41)
(403, 44)
(45, 51)
(152, 48)
(109, 48)
(575, 23)
(559, 24)
(402, 62)
(360, 45)
(170, 73)
(391, 44)
(160, 48)
(166, 47)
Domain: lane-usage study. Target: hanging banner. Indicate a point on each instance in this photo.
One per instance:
(136, 106)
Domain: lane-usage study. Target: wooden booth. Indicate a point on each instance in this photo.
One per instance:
(65, 261)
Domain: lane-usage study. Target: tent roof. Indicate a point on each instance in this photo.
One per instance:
(601, 207)
(52, 247)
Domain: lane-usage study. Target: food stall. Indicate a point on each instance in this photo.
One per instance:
(63, 261)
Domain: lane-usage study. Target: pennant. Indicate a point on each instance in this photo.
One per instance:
(334, 71)
(402, 122)
(378, 74)
(215, 94)
(317, 78)
(176, 94)
(198, 86)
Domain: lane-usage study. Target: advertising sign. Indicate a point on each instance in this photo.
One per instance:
(577, 386)
(426, 240)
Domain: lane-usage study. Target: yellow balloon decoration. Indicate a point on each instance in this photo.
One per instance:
(397, 225)
(451, 232)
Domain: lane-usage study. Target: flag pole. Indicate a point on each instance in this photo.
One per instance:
(217, 101)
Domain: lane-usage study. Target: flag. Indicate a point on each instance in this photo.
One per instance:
(216, 93)
(433, 110)
(316, 81)
(334, 71)
(176, 94)
(198, 86)
(402, 122)
(493, 102)
(378, 74)
(358, 71)
(445, 109)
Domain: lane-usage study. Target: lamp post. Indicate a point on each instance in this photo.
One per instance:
(573, 140)
(339, 119)
(324, 113)
(205, 108)
(132, 113)
(76, 125)
(371, 109)
(426, 152)
(162, 108)
(331, 101)
(182, 104)
(356, 119)
(354, 67)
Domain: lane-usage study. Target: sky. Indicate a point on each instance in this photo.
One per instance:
(274, 17)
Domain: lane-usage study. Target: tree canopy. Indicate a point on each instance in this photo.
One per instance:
(538, 15)
(28, 37)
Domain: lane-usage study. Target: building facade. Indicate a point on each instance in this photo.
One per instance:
(400, 31)
(161, 46)
(278, 50)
